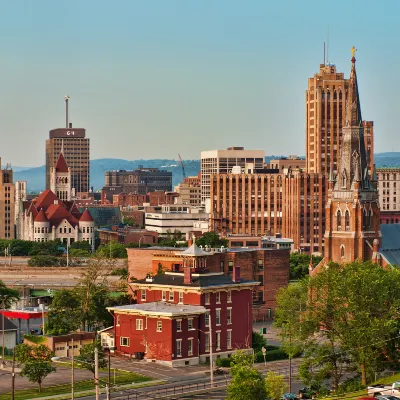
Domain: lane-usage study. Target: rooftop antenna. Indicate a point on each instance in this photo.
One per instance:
(327, 47)
(66, 111)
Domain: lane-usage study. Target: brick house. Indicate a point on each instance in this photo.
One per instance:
(268, 266)
(179, 312)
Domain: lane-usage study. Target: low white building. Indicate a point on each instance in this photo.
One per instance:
(175, 217)
(10, 333)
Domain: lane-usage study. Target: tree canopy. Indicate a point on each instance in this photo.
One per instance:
(36, 360)
(345, 319)
(247, 382)
(211, 239)
(299, 263)
(86, 356)
(8, 295)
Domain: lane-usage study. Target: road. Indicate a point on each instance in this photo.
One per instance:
(189, 379)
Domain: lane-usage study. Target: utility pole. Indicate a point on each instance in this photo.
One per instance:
(96, 371)
(3, 306)
(211, 355)
(13, 377)
(42, 307)
(67, 254)
(72, 372)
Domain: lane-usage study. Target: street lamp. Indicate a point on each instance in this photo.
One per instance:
(210, 350)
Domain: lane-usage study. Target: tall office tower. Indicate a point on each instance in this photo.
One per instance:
(75, 146)
(223, 161)
(7, 203)
(325, 119)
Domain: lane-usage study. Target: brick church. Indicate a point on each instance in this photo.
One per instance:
(352, 209)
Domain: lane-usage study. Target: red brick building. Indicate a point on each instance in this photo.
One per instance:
(179, 315)
(269, 267)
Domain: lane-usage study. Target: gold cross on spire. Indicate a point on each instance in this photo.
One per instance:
(353, 51)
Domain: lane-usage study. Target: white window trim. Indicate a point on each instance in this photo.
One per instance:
(217, 348)
(180, 323)
(143, 291)
(120, 341)
(191, 352)
(178, 340)
(229, 313)
(139, 329)
(218, 309)
(171, 296)
(164, 295)
(228, 347)
(229, 296)
(180, 298)
(192, 328)
(217, 297)
(207, 325)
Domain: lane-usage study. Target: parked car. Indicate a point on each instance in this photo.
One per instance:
(387, 397)
(379, 390)
(289, 396)
(307, 393)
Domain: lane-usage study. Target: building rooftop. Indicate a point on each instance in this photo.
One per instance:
(390, 248)
(194, 251)
(199, 280)
(160, 308)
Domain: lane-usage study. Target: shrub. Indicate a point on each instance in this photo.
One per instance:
(34, 338)
(46, 261)
(224, 362)
(272, 355)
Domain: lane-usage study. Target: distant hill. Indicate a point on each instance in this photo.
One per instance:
(36, 176)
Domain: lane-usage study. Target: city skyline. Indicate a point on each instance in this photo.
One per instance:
(159, 70)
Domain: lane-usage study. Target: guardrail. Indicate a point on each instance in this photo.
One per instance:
(172, 391)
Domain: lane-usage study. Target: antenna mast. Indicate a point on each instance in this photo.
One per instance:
(66, 111)
(324, 55)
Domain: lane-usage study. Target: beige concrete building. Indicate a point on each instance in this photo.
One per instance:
(7, 203)
(325, 118)
(224, 161)
(190, 190)
(388, 186)
(283, 164)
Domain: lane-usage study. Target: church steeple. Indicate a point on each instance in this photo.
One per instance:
(353, 159)
(352, 209)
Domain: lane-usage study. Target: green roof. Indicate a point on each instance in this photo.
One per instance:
(104, 216)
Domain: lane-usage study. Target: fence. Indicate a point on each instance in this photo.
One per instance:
(170, 391)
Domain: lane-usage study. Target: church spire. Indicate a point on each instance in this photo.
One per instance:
(353, 109)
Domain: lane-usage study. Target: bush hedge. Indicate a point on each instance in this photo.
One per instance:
(46, 261)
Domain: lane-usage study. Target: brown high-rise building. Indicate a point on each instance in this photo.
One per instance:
(7, 203)
(75, 146)
(325, 119)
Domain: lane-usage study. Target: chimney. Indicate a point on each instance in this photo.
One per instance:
(236, 275)
(187, 278)
(190, 242)
(376, 245)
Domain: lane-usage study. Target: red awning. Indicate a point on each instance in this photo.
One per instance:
(19, 314)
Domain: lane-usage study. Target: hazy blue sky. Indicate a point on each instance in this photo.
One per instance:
(149, 79)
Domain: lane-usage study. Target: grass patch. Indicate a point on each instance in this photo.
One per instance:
(121, 378)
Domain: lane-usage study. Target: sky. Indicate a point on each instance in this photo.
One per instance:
(151, 79)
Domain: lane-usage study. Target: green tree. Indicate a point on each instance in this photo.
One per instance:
(50, 248)
(64, 314)
(46, 261)
(8, 295)
(211, 239)
(79, 253)
(81, 245)
(86, 356)
(36, 362)
(345, 318)
(171, 238)
(299, 263)
(112, 250)
(247, 382)
(258, 341)
(275, 385)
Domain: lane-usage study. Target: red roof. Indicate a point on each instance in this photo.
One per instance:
(46, 199)
(41, 217)
(86, 217)
(56, 213)
(61, 165)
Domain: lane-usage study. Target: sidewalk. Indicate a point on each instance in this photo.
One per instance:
(272, 336)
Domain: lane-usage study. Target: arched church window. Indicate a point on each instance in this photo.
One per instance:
(342, 251)
(344, 179)
(347, 220)
(365, 220)
(339, 220)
